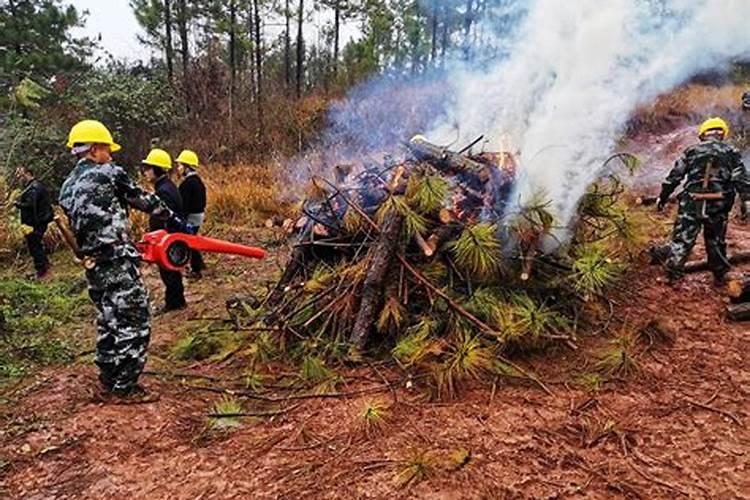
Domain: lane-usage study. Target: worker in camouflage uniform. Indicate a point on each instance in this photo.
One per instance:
(95, 197)
(714, 173)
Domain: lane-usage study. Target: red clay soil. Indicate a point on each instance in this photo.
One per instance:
(677, 428)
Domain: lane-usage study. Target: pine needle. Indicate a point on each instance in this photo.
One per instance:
(418, 344)
(414, 223)
(593, 270)
(477, 250)
(392, 316)
(427, 193)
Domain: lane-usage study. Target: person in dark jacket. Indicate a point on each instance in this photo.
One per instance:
(36, 214)
(156, 167)
(193, 193)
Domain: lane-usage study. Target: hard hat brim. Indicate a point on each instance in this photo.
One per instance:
(164, 167)
(113, 148)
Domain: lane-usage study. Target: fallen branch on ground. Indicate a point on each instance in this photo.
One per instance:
(254, 414)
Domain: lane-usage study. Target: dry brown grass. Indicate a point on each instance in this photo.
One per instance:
(243, 194)
(689, 103)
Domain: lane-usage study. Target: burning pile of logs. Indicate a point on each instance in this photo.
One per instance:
(419, 254)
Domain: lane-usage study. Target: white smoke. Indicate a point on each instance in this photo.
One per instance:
(575, 73)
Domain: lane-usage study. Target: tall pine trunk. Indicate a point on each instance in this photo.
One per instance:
(287, 48)
(444, 41)
(300, 48)
(232, 45)
(182, 21)
(232, 65)
(14, 16)
(433, 53)
(168, 39)
(258, 69)
(336, 30)
(468, 20)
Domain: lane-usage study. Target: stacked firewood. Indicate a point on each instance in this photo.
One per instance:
(421, 256)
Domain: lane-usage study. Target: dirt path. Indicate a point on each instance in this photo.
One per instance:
(678, 428)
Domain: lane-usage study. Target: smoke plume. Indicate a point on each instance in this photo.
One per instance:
(576, 71)
(565, 78)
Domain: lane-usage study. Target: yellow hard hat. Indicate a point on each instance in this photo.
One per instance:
(158, 158)
(714, 124)
(188, 158)
(91, 132)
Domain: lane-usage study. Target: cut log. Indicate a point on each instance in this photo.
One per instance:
(647, 201)
(427, 249)
(660, 254)
(738, 312)
(372, 292)
(444, 158)
(702, 265)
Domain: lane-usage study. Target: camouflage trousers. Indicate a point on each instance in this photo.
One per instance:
(687, 227)
(123, 321)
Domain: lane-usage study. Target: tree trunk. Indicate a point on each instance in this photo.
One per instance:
(232, 45)
(444, 41)
(258, 68)
(433, 53)
(182, 21)
(336, 29)
(300, 47)
(232, 63)
(415, 56)
(168, 40)
(372, 292)
(738, 312)
(14, 15)
(468, 19)
(698, 266)
(287, 49)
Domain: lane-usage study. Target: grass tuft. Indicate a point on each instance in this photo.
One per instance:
(419, 465)
(372, 417)
(618, 359)
(225, 406)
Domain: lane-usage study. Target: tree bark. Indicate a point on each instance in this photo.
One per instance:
(232, 45)
(383, 255)
(468, 20)
(300, 47)
(182, 20)
(433, 53)
(444, 41)
(336, 30)
(232, 63)
(168, 38)
(287, 49)
(258, 68)
(702, 265)
(738, 312)
(14, 15)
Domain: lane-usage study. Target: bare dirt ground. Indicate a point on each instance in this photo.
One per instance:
(677, 428)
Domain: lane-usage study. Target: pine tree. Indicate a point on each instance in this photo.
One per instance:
(36, 40)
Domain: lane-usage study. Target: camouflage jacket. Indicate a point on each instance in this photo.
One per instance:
(96, 199)
(709, 167)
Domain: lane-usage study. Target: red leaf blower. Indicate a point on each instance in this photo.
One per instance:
(171, 251)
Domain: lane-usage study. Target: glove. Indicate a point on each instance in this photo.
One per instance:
(162, 213)
(176, 224)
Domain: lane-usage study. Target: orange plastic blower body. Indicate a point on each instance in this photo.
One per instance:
(172, 251)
